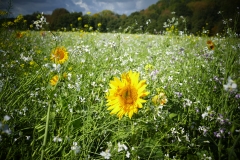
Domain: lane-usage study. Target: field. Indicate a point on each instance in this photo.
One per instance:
(90, 95)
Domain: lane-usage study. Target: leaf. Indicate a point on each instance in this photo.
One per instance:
(172, 115)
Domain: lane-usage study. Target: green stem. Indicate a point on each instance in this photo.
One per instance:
(46, 131)
(219, 148)
(232, 148)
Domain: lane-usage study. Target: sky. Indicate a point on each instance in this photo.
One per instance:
(25, 7)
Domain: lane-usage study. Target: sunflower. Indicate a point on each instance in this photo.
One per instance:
(210, 45)
(160, 99)
(59, 55)
(125, 95)
(54, 80)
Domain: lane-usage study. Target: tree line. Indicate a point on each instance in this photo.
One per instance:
(192, 16)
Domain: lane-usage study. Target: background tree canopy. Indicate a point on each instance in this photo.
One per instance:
(197, 13)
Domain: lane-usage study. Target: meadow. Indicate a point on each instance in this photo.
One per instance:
(90, 95)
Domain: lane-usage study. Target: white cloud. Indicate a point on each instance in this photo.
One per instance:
(94, 6)
(120, 7)
(139, 4)
(81, 4)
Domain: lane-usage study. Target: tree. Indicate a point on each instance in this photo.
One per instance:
(56, 17)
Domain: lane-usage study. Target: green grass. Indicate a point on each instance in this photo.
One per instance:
(191, 76)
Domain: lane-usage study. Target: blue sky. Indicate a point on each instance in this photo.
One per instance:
(47, 6)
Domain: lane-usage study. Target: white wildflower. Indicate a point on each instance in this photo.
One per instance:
(57, 139)
(187, 103)
(121, 147)
(231, 86)
(106, 154)
(75, 147)
(128, 154)
(28, 137)
(205, 114)
(6, 118)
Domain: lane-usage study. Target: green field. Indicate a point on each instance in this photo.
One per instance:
(51, 109)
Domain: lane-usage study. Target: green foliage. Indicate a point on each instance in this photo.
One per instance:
(69, 120)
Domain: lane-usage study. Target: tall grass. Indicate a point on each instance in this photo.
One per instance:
(70, 120)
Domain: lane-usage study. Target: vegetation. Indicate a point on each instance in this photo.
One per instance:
(210, 15)
(82, 94)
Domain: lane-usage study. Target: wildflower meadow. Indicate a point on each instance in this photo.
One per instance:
(90, 95)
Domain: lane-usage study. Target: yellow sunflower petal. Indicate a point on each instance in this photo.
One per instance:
(59, 55)
(125, 96)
